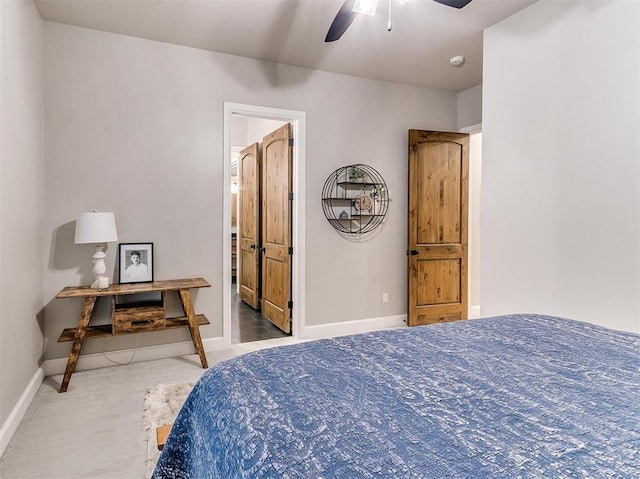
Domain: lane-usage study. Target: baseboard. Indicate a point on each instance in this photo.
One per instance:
(363, 325)
(474, 311)
(149, 353)
(352, 327)
(11, 424)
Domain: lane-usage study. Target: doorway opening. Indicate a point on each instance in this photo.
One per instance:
(475, 181)
(243, 125)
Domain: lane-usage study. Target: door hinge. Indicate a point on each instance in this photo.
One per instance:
(291, 196)
(290, 141)
(290, 304)
(290, 249)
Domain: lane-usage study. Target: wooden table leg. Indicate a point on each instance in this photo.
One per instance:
(187, 306)
(85, 316)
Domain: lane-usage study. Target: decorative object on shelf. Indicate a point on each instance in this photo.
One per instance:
(363, 203)
(357, 174)
(136, 262)
(98, 228)
(355, 199)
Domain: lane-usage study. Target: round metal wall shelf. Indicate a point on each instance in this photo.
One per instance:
(355, 199)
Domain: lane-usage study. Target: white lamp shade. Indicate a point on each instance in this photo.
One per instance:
(96, 227)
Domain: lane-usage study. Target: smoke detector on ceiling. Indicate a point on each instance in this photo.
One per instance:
(457, 61)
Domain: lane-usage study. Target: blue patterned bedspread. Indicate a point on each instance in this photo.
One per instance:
(521, 396)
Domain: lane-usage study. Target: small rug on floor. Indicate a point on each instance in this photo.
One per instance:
(161, 406)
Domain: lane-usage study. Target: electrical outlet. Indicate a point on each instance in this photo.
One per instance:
(385, 297)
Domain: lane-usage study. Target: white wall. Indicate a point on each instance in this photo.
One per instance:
(561, 163)
(258, 128)
(239, 125)
(135, 127)
(469, 107)
(21, 206)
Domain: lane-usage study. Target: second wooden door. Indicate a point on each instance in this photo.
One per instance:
(249, 227)
(437, 236)
(276, 227)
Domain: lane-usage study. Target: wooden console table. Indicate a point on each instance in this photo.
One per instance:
(133, 317)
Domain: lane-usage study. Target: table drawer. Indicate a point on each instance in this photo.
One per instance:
(135, 319)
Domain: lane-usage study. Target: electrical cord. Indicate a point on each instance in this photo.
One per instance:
(135, 350)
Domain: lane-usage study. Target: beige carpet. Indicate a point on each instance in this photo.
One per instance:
(161, 406)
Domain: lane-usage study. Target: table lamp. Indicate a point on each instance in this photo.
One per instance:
(97, 228)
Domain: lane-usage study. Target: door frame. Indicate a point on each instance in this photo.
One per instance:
(473, 257)
(298, 124)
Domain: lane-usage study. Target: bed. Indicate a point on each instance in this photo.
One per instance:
(518, 396)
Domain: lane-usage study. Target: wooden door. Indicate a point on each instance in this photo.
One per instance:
(438, 237)
(249, 229)
(276, 227)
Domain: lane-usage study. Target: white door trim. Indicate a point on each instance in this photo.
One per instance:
(297, 120)
(475, 182)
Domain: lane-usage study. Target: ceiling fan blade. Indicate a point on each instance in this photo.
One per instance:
(454, 3)
(343, 19)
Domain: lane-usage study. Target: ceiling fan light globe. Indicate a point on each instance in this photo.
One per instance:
(366, 7)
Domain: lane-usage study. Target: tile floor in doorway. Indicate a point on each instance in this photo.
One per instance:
(250, 325)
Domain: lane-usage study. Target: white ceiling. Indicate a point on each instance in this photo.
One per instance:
(424, 36)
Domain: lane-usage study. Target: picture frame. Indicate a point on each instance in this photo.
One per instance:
(136, 262)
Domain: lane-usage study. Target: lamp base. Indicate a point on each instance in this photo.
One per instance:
(101, 282)
(99, 269)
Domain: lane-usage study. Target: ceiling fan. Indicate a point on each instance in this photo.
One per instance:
(351, 8)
